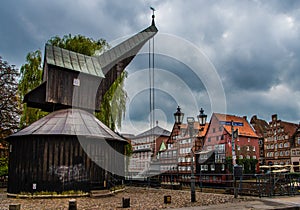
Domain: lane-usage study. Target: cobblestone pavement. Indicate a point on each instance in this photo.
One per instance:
(140, 198)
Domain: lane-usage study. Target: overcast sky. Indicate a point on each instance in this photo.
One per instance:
(238, 57)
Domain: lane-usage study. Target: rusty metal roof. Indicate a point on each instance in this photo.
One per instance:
(70, 122)
(71, 60)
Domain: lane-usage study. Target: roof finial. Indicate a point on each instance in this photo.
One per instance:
(153, 16)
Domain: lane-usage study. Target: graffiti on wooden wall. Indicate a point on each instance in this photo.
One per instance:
(69, 174)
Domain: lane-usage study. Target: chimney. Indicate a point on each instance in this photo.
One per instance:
(253, 119)
(274, 117)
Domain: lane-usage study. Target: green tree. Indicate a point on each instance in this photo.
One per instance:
(80, 44)
(9, 99)
(113, 105)
(3, 166)
(31, 77)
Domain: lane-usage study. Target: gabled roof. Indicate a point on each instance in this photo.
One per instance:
(201, 129)
(289, 127)
(70, 122)
(156, 131)
(73, 61)
(245, 130)
(260, 126)
(209, 154)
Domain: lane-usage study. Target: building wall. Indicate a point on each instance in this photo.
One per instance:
(295, 150)
(278, 142)
(219, 138)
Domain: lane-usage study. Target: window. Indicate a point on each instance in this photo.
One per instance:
(204, 167)
(248, 139)
(223, 167)
(238, 147)
(220, 148)
(248, 156)
(203, 156)
(248, 148)
(298, 140)
(214, 130)
(241, 157)
(254, 157)
(209, 148)
(212, 167)
(253, 149)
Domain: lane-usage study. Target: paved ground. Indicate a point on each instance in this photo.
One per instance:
(259, 203)
(153, 199)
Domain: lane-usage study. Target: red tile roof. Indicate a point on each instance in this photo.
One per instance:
(201, 129)
(245, 130)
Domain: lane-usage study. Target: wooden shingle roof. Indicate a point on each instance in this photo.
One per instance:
(73, 61)
(126, 49)
(93, 65)
(75, 122)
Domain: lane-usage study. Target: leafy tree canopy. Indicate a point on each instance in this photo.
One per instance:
(80, 44)
(31, 77)
(9, 99)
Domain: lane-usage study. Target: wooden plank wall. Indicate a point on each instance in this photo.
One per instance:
(39, 159)
(60, 88)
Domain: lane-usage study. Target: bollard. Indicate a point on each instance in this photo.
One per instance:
(126, 202)
(15, 207)
(72, 204)
(167, 199)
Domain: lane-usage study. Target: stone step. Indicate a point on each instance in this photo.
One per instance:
(100, 193)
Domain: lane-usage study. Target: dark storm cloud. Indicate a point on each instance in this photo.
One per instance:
(139, 105)
(254, 46)
(167, 63)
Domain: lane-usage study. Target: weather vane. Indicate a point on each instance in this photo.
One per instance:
(153, 16)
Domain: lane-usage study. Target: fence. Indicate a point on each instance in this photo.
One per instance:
(262, 185)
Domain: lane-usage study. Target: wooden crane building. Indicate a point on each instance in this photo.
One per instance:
(70, 149)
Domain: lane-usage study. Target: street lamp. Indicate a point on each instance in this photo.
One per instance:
(202, 117)
(190, 121)
(178, 115)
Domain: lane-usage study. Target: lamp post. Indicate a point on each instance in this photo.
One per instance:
(190, 121)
